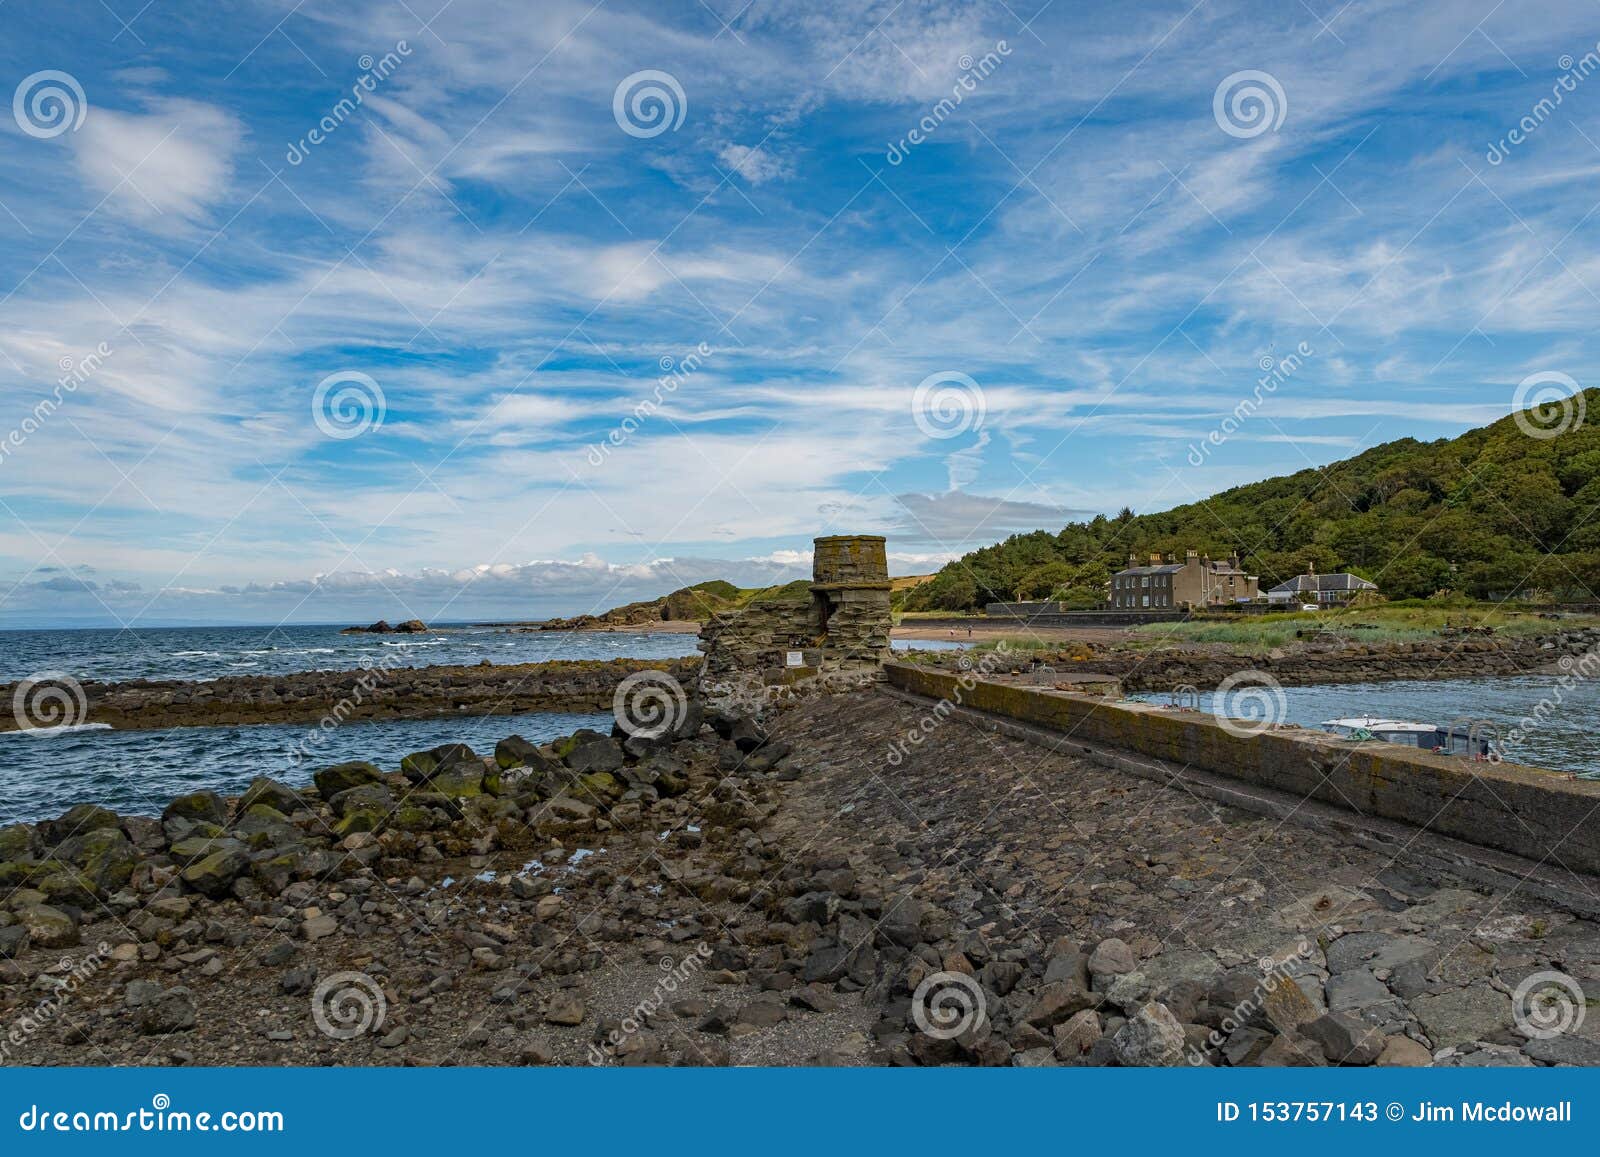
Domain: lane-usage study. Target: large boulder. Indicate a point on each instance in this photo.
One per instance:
(515, 751)
(362, 809)
(106, 856)
(198, 807)
(421, 766)
(75, 821)
(20, 842)
(596, 755)
(340, 777)
(278, 796)
(48, 927)
(214, 875)
(1152, 1037)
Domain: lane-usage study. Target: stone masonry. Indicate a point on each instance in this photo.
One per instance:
(838, 626)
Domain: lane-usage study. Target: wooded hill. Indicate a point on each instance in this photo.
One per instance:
(1493, 513)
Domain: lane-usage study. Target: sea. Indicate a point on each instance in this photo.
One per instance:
(1549, 725)
(45, 771)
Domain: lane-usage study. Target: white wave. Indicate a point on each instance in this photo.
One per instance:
(62, 730)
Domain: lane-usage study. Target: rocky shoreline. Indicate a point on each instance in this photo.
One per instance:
(733, 893)
(375, 693)
(1169, 668)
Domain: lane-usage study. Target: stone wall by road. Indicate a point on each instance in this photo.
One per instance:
(1540, 815)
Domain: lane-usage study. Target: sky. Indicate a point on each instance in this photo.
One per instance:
(458, 309)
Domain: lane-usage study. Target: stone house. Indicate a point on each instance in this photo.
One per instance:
(1198, 581)
(1322, 589)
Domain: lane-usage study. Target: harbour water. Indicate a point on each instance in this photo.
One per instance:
(1562, 739)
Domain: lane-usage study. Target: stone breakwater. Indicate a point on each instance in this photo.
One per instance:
(1169, 668)
(728, 894)
(376, 693)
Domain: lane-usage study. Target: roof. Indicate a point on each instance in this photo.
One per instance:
(1343, 581)
(1165, 568)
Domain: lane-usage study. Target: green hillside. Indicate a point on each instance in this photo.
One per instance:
(1491, 513)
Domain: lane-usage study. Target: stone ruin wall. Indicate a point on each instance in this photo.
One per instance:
(841, 633)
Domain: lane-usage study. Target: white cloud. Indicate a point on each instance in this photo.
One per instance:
(172, 163)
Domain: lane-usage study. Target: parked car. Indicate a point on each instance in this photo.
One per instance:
(1308, 606)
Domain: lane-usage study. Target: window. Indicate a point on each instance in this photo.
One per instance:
(1144, 580)
(1147, 600)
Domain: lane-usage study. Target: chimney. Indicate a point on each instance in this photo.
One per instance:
(1133, 560)
(1311, 569)
(1234, 561)
(1169, 556)
(1189, 557)
(1155, 559)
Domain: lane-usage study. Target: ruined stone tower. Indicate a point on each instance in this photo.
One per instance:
(839, 625)
(850, 598)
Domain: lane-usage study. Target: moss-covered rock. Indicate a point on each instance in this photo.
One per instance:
(421, 766)
(457, 780)
(75, 821)
(278, 796)
(198, 807)
(515, 751)
(67, 886)
(106, 856)
(340, 777)
(19, 842)
(48, 927)
(214, 875)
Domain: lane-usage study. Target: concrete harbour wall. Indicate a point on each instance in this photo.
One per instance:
(1539, 815)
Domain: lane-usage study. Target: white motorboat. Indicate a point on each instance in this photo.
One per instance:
(1460, 738)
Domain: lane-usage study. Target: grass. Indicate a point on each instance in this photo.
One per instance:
(1389, 623)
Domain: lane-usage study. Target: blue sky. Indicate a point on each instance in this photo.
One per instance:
(342, 359)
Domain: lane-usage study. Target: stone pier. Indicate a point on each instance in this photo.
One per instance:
(836, 629)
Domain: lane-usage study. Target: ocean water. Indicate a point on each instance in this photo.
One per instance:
(42, 773)
(212, 652)
(1563, 739)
